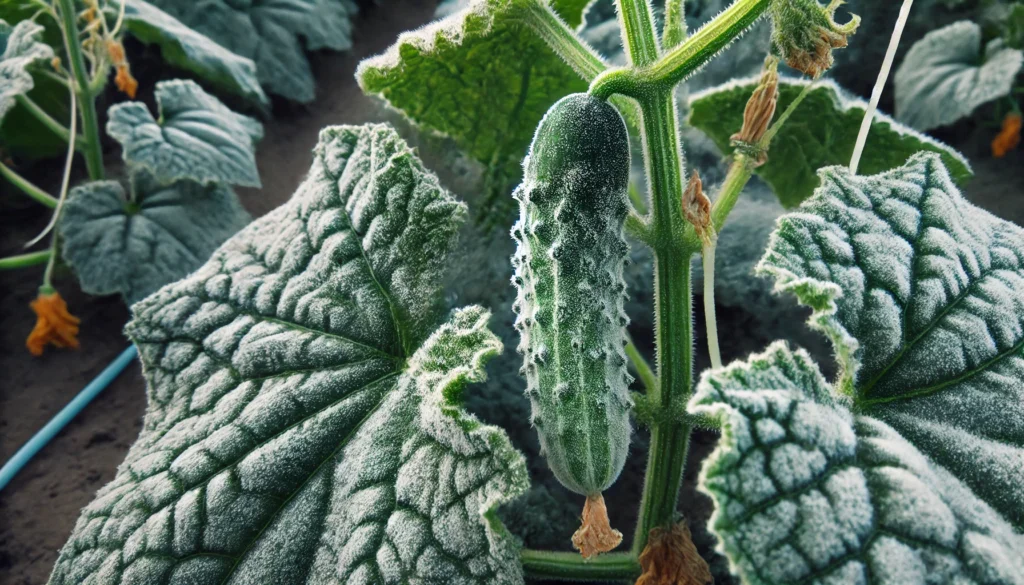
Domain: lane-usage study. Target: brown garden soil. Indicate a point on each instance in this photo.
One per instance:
(39, 508)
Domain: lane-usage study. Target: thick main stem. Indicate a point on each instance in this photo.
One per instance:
(87, 106)
(673, 317)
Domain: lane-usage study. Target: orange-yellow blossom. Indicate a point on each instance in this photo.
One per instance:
(54, 324)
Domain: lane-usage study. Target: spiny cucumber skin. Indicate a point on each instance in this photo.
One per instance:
(568, 273)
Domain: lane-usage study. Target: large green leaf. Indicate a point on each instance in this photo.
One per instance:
(821, 132)
(269, 32)
(299, 429)
(945, 76)
(20, 47)
(197, 137)
(481, 77)
(133, 244)
(911, 468)
(183, 47)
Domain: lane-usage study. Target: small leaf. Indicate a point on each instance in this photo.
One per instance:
(19, 48)
(807, 491)
(135, 245)
(269, 34)
(197, 137)
(480, 77)
(821, 132)
(304, 424)
(944, 76)
(183, 47)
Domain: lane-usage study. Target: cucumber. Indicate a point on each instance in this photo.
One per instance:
(568, 272)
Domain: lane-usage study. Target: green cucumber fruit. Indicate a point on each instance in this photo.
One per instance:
(568, 272)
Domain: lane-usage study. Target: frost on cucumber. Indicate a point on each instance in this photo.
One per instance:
(568, 272)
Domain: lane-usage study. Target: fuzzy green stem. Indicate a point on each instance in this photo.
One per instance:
(80, 82)
(680, 62)
(674, 29)
(673, 317)
(740, 171)
(46, 119)
(643, 369)
(638, 36)
(562, 40)
(24, 260)
(566, 566)
(27, 187)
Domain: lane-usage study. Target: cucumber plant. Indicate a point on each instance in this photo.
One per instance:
(176, 203)
(306, 421)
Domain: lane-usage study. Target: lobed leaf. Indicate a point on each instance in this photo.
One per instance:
(197, 137)
(20, 48)
(821, 132)
(183, 47)
(945, 76)
(304, 425)
(911, 469)
(480, 77)
(808, 489)
(133, 245)
(269, 32)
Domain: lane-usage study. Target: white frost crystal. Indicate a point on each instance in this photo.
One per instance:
(910, 469)
(304, 424)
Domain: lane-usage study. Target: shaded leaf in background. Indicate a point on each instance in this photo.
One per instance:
(20, 48)
(821, 132)
(481, 78)
(183, 47)
(197, 137)
(945, 76)
(134, 244)
(304, 425)
(269, 32)
(22, 134)
(911, 468)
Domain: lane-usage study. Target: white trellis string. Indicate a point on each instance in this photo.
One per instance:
(876, 93)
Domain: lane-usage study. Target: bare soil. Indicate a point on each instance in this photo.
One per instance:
(39, 508)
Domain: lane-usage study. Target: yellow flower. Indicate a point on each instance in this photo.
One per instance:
(1009, 137)
(125, 82)
(54, 324)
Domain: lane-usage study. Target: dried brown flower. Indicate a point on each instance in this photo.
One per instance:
(596, 534)
(670, 558)
(697, 207)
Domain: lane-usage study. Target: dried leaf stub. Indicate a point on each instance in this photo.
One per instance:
(758, 114)
(596, 534)
(697, 207)
(671, 558)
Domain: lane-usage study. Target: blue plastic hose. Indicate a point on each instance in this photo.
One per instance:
(58, 422)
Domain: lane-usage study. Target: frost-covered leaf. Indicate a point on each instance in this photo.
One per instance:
(810, 490)
(133, 244)
(480, 77)
(945, 76)
(910, 469)
(271, 33)
(183, 47)
(19, 48)
(196, 137)
(821, 132)
(299, 428)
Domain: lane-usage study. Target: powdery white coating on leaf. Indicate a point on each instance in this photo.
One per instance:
(843, 498)
(197, 137)
(480, 77)
(945, 76)
(184, 47)
(922, 295)
(19, 48)
(291, 436)
(570, 290)
(271, 33)
(120, 245)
